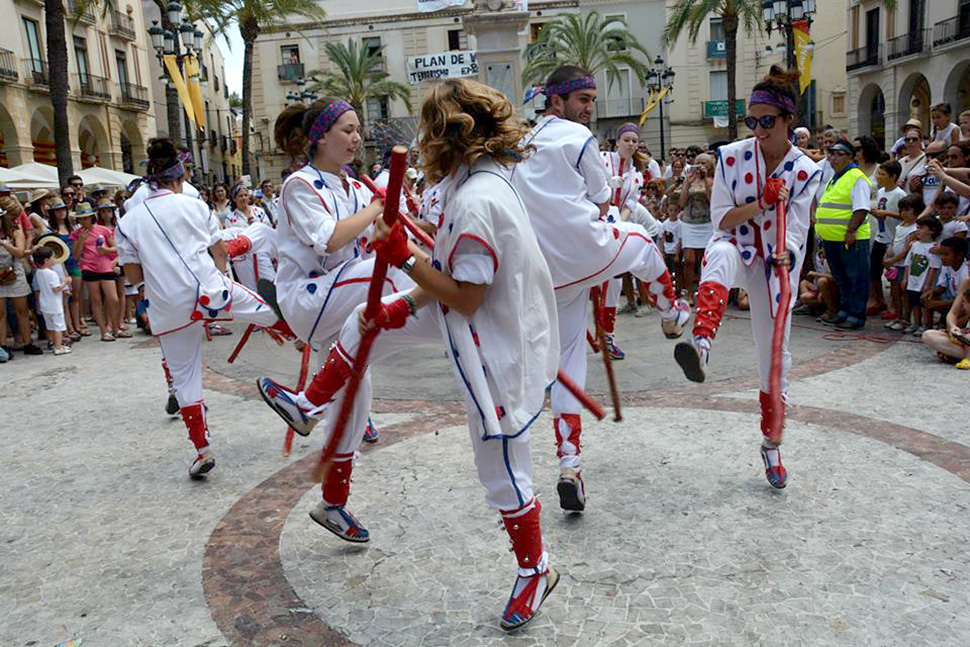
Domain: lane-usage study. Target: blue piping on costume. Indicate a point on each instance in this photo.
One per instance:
(805, 186)
(508, 468)
(461, 372)
(527, 425)
(336, 279)
(592, 138)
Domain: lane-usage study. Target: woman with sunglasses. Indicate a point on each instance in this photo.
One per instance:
(742, 250)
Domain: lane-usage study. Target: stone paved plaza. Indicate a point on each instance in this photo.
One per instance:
(104, 539)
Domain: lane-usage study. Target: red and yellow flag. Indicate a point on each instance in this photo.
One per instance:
(804, 48)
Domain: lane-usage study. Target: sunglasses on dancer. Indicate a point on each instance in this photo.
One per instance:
(767, 121)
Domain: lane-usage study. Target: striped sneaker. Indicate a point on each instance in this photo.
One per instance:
(283, 402)
(338, 520)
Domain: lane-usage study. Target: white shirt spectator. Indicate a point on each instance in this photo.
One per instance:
(920, 261)
(671, 233)
(883, 230)
(953, 228)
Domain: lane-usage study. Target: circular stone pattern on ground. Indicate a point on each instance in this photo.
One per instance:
(683, 542)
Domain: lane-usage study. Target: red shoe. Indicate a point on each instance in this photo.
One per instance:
(873, 310)
(889, 315)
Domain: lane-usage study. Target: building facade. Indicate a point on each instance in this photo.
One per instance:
(902, 61)
(109, 105)
(211, 144)
(284, 57)
(698, 101)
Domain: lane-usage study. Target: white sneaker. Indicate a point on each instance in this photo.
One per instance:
(283, 402)
(626, 309)
(692, 358)
(202, 465)
(919, 331)
(643, 311)
(675, 320)
(910, 329)
(63, 350)
(897, 325)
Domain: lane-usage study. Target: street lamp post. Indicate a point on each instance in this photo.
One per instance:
(659, 78)
(780, 15)
(182, 33)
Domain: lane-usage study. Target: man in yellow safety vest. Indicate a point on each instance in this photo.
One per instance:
(841, 224)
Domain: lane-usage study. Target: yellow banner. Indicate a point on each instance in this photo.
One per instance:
(176, 77)
(803, 53)
(195, 89)
(652, 102)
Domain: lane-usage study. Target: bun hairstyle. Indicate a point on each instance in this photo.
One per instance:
(293, 125)
(782, 83)
(162, 155)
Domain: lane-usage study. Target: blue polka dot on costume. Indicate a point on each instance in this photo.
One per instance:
(746, 254)
(311, 287)
(213, 313)
(225, 294)
(451, 227)
(318, 184)
(749, 199)
(789, 166)
(747, 155)
(778, 298)
(436, 264)
(743, 230)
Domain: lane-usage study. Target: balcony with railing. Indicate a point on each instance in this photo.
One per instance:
(860, 58)
(37, 73)
(135, 96)
(122, 24)
(290, 72)
(75, 11)
(213, 138)
(915, 42)
(8, 66)
(93, 87)
(951, 30)
(203, 73)
(223, 143)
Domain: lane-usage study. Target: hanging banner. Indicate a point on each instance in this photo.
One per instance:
(176, 77)
(652, 102)
(194, 83)
(804, 48)
(425, 6)
(447, 65)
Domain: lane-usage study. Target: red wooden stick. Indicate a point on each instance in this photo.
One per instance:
(777, 422)
(300, 383)
(598, 295)
(421, 235)
(242, 342)
(398, 166)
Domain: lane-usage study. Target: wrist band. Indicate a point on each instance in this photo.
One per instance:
(411, 303)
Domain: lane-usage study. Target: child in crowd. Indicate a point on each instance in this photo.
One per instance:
(953, 253)
(952, 344)
(944, 130)
(894, 262)
(883, 219)
(922, 267)
(965, 125)
(946, 211)
(671, 236)
(818, 291)
(51, 303)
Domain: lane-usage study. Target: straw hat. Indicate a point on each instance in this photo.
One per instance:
(39, 194)
(105, 203)
(83, 210)
(57, 203)
(913, 123)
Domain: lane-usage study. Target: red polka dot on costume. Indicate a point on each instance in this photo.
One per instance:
(748, 178)
(802, 175)
(767, 225)
(730, 161)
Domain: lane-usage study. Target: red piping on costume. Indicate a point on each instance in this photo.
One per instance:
(283, 199)
(477, 239)
(362, 279)
(632, 234)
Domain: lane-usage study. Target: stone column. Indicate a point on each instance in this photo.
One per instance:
(499, 47)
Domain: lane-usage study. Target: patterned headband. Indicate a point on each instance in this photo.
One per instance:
(327, 118)
(236, 188)
(168, 175)
(769, 98)
(585, 82)
(627, 128)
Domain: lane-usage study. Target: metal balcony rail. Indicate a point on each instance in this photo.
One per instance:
(951, 30)
(8, 66)
(95, 87)
(37, 71)
(915, 42)
(290, 71)
(862, 57)
(135, 95)
(75, 11)
(122, 25)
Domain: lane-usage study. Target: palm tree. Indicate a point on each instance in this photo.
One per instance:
(253, 16)
(360, 75)
(57, 80)
(691, 14)
(590, 42)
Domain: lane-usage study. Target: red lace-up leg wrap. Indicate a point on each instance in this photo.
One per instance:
(710, 306)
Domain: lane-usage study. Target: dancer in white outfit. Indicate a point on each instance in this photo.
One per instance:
(165, 242)
(490, 303)
(566, 195)
(742, 250)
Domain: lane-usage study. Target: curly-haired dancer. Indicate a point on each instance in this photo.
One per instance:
(486, 295)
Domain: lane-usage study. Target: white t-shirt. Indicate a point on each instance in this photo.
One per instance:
(920, 261)
(909, 167)
(900, 235)
(51, 302)
(945, 135)
(950, 279)
(953, 228)
(671, 232)
(883, 229)
(931, 183)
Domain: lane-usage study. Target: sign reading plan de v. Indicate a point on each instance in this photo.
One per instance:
(447, 65)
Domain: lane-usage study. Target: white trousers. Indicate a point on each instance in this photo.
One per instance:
(723, 264)
(182, 348)
(504, 465)
(639, 256)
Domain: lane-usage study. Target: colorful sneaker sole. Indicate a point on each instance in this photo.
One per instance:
(337, 530)
(302, 427)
